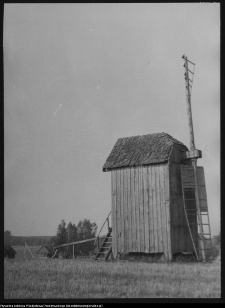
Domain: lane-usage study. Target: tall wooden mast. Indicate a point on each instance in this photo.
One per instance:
(194, 153)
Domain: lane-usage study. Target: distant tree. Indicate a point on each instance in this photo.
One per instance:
(71, 237)
(61, 234)
(86, 230)
(71, 232)
(7, 237)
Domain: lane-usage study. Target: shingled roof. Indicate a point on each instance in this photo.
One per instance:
(141, 150)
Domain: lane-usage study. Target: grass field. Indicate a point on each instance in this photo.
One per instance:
(58, 278)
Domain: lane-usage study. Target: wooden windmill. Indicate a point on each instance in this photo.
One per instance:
(158, 197)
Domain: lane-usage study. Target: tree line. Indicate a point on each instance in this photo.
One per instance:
(72, 233)
(12, 240)
(64, 234)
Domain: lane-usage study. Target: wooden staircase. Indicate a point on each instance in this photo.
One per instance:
(106, 247)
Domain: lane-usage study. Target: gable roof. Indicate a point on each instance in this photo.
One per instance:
(44, 249)
(141, 150)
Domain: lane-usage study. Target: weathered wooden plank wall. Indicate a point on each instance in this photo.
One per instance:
(180, 236)
(140, 210)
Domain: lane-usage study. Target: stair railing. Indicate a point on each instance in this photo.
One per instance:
(97, 237)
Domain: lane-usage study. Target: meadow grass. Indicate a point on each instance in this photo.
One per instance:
(63, 278)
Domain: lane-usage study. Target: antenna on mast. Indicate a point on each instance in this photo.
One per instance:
(194, 153)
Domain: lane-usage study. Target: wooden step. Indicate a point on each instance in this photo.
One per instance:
(106, 246)
(104, 255)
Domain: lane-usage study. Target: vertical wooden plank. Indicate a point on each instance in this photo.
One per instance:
(173, 208)
(129, 210)
(115, 212)
(137, 206)
(184, 248)
(132, 208)
(181, 207)
(178, 231)
(151, 216)
(125, 211)
(160, 244)
(155, 208)
(163, 222)
(181, 212)
(122, 208)
(114, 227)
(176, 211)
(170, 206)
(128, 219)
(146, 210)
(141, 209)
(118, 194)
(179, 226)
(166, 197)
(167, 189)
(134, 224)
(127, 216)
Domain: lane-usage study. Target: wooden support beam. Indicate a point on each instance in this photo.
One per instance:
(79, 242)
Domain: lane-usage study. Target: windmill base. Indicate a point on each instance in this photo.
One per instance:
(142, 257)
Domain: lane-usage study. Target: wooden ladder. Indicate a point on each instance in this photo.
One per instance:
(106, 247)
(192, 216)
(206, 231)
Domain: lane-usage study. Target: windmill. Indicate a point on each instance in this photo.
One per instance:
(193, 155)
(159, 204)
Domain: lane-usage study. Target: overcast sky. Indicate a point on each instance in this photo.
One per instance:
(79, 76)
